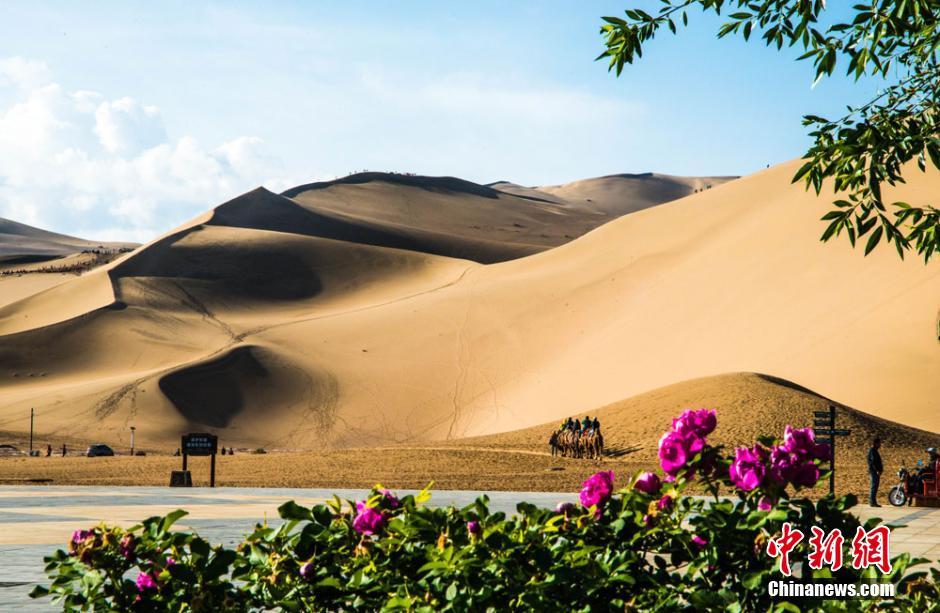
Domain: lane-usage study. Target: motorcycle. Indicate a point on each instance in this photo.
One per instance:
(908, 483)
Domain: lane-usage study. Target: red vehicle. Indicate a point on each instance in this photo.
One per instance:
(920, 483)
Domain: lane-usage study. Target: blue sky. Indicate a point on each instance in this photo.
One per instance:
(121, 120)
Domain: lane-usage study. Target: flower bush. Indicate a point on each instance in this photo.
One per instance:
(645, 546)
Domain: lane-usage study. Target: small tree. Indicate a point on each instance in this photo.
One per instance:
(896, 40)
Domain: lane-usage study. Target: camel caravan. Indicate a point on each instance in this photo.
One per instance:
(576, 439)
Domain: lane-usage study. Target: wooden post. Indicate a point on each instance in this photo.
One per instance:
(32, 412)
(832, 450)
(184, 459)
(212, 471)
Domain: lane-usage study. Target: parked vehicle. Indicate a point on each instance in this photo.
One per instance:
(921, 482)
(99, 449)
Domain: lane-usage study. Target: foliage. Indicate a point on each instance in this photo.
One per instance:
(894, 40)
(645, 547)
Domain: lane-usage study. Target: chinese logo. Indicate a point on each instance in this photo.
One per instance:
(869, 548)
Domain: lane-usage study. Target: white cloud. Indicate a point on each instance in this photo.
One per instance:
(23, 73)
(125, 126)
(79, 163)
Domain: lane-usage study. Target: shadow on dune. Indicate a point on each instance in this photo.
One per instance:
(211, 393)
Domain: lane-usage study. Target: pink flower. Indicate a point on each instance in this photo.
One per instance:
(146, 582)
(308, 571)
(800, 441)
(664, 503)
(648, 483)
(170, 562)
(596, 490)
(673, 453)
(127, 546)
(806, 474)
(765, 503)
(782, 465)
(392, 499)
(474, 528)
(648, 521)
(368, 520)
(699, 422)
(822, 451)
(699, 542)
(747, 470)
(79, 536)
(565, 507)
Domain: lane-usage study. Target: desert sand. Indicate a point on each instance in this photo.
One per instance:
(371, 312)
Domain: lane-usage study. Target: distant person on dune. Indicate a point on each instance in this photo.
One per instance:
(875, 468)
(596, 424)
(48, 451)
(64, 450)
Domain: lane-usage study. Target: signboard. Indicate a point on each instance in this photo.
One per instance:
(831, 432)
(200, 444)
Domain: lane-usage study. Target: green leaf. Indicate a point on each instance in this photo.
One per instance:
(873, 240)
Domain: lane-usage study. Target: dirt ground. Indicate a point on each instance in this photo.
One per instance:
(474, 469)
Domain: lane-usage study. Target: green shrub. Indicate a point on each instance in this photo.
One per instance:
(644, 547)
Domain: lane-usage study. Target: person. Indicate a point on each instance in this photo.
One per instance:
(224, 451)
(231, 451)
(587, 424)
(48, 451)
(928, 472)
(875, 469)
(64, 450)
(596, 424)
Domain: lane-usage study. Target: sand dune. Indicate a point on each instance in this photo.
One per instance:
(22, 243)
(358, 313)
(748, 405)
(616, 195)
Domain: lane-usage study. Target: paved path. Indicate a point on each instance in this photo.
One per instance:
(36, 520)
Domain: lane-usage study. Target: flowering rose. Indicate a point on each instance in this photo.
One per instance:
(648, 520)
(80, 539)
(127, 547)
(664, 503)
(474, 528)
(392, 499)
(146, 582)
(748, 470)
(648, 483)
(368, 520)
(170, 561)
(699, 422)
(699, 542)
(673, 452)
(800, 441)
(565, 507)
(308, 571)
(782, 465)
(765, 503)
(596, 490)
(822, 451)
(805, 474)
